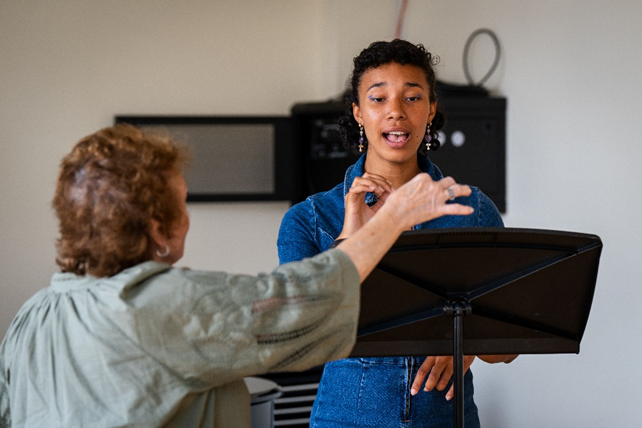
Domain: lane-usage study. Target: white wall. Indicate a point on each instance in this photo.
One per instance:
(570, 70)
(68, 67)
(571, 73)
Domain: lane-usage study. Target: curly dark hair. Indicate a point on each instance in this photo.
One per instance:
(376, 55)
(111, 185)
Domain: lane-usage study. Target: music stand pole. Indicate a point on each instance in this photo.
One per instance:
(458, 309)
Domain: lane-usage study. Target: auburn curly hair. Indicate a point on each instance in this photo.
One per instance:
(110, 187)
(382, 53)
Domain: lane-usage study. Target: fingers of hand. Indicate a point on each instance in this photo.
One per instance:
(440, 371)
(382, 200)
(423, 371)
(373, 184)
(456, 209)
(445, 189)
(444, 379)
(440, 374)
(373, 180)
(468, 361)
(453, 190)
(422, 199)
(451, 392)
(451, 193)
(447, 181)
(357, 190)
(378, 178)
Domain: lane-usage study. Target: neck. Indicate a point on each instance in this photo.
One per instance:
(397, 173)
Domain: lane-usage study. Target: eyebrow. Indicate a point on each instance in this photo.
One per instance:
(408, 84)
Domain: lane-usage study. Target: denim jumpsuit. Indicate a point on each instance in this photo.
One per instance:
(375, 392)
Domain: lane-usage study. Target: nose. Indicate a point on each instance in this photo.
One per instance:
(396, 109)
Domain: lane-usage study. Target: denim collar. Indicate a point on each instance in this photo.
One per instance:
(358, 169)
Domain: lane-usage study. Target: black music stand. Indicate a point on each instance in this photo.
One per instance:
(479, 291)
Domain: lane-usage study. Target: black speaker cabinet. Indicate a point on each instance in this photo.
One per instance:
(473, 144)
(321, 158)
(473, 147)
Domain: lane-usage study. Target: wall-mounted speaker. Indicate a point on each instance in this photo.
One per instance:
(473, 144)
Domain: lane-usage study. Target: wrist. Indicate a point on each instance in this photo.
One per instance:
(392, 219)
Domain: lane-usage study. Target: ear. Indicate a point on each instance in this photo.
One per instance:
(433, 111)
(356, 112)
(159, 240)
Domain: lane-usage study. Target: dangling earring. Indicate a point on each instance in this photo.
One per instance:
(361, 139)
(165, 252)
(428, 138)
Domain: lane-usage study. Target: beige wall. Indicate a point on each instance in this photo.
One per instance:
(68, 67)
(570, 70)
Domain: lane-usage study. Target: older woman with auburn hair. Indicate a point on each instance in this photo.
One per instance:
(120, 338)
(116, 187)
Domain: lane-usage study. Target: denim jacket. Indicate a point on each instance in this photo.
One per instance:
(311, 226)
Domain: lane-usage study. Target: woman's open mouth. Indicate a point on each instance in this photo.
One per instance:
(396, 138)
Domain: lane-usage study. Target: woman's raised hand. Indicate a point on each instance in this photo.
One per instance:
(422, 199)
(419, 200)
(357, 212)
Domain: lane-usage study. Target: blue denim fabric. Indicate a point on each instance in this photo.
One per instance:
(375, 392)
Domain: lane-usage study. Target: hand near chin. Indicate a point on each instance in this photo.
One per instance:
(357, 212)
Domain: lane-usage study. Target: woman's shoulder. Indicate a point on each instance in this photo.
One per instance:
(311, 226)
(319, 203)
(486, 212)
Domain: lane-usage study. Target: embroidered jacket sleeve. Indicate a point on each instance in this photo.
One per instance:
(161, 346)
(224, 327)
(299, 316)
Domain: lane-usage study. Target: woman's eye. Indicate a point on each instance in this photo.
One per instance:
(414, 98)
(376, 99)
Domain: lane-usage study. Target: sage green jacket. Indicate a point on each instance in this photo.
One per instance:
(160, 346)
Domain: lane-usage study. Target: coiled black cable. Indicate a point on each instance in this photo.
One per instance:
(495, 62)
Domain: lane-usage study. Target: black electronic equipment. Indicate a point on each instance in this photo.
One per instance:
(473, 144)
(321, 157)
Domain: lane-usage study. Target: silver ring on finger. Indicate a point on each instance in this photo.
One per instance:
(451, 194)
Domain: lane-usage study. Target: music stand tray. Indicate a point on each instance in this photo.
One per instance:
(476, 291)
